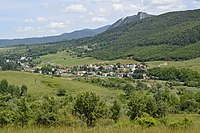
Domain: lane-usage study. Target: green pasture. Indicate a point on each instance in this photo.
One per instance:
(42, 85)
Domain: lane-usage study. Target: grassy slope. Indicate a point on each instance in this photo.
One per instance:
(64, 59)
(68, 61)
(193, 64)
(3, 50)
(39, 84)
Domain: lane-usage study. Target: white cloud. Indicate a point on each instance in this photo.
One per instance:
(113, 1)
(38, 19)
(98, 20)
(163, 2)
(161, 6)
(41, 19)
(102, 10)
(118, 7)
(24, 29)
(57, 25)
(46, 30)
(28, 20)
(196, 3)
(75, 8)
(99, 13)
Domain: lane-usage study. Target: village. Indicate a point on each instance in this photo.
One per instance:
(118, 70)
(92, 70)
(103, 70)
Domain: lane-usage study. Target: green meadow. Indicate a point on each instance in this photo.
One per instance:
(193, 64)
(42, 85)
(100, 130)
(64, 59)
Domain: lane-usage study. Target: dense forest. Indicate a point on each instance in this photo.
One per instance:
(170, 32)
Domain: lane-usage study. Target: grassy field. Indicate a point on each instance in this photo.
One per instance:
(119, 127)
(100, 130)
(193, 64)
(66, 60)
(122, 126)
(3, 50)
(41, 85)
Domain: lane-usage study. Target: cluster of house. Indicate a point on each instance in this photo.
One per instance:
(21, 63)
(114, 70)
(104, 70)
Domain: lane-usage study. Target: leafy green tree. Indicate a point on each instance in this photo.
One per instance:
(46, 111)
(3, 86)
(116, 110)
(61, 92)
(151, 106)
(24, 90)
(136, 105)
(162, 108)
(197, 96)
(23, 112)
(141, 86)
(89, 107)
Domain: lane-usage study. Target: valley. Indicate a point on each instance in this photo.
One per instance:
(139, 74)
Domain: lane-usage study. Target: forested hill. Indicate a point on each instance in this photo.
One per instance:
(49, 39)
(153, 38)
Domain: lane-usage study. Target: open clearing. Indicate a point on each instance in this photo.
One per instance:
(193, 64)
(42, 85)
(64, 59)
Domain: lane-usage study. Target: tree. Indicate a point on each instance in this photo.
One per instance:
(116, 110)
(24, 89)
(3, 86)
(61, 92)
(141, 86)
(151, 106)
(23, 112)
(136, 105)
(197, 96)
(89, 107)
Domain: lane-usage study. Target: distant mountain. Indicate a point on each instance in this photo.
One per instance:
(169, 36)
(130, 19)
(66, 36)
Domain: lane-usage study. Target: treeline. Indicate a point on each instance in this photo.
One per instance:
(189, 77)
(62, 109)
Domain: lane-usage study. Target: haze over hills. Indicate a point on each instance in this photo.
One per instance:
(66, 36)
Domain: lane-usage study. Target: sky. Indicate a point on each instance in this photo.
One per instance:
(36, 18)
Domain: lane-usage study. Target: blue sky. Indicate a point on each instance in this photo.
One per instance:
(34, 18)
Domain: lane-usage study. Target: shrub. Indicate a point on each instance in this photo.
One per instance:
(180, 124)
(146, 121)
